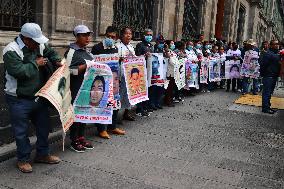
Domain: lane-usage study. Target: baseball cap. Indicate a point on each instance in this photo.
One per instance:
(81, 29)
(33, 31)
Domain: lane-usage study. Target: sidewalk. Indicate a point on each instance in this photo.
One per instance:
(200, 143)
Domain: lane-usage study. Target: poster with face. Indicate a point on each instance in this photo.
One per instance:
(214, 70)
(250, 67)
(204, 70)
(136, 79)
(232, 69)
(93, 103)
(112, 60)
(155, 65)
(191, 73)
(179, 73)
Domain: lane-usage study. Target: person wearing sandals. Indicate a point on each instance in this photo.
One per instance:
(107, 47)
(78, 53)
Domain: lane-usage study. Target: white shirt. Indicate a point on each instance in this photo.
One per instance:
(191, 55)
(125, 50)
(231, 52)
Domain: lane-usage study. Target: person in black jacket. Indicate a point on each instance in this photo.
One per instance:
(269, 70)
(107, 46)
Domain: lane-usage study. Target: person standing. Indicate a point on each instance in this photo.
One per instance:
(24, 59)
(269, 70)
(78, 53)
(107, 46)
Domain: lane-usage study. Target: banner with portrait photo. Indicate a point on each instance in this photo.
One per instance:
(57, 92)
(112, 60)
(204, 70)
(155, 68)
(179, 72)
(136, 79)
(232, 69)
(214, 70)
(191, 73)
(93, 103)
(250, 66)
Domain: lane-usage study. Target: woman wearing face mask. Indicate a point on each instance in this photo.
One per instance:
(190, 52)
(169, 94)
(125, 49)
(107, 46)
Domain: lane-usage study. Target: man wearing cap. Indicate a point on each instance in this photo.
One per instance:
(24, 59)
(78, 53)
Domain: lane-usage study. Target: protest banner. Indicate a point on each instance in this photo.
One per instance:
(250, 66)
(191, 71)
(112, 60)
(155, 65)
(136, 79)
(232, 69)
(93, 103)
(204, 70)
(57, 92)
(214, 70)
(179, 72)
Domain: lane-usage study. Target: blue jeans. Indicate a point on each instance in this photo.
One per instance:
(269, 84)
(21, 112)
(246, 85)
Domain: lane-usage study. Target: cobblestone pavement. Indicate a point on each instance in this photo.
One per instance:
(205, 142)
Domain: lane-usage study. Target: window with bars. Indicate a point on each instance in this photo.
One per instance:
(14, 13)
(190, 19)
(138, 14)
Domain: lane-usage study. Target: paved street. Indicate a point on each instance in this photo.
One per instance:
(205, 142)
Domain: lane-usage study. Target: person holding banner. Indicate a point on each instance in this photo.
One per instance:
(145, 48)
(78, 53)
(125, 49)
(107, 46)
(24, 59)
(169, 95)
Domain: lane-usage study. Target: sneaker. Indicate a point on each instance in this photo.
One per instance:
(24, 167)
(145, 114)
(181, 99)
(176, 100)
(139, 114)
(150, 110)
(77, 146)
(49, 159)
(86, 144)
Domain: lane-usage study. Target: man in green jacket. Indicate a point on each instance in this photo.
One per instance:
(25, 61)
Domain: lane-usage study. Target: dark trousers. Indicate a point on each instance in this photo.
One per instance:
(21, 112)
(269, 84)
(77, 130)
(235, 83)
(169, 94)
(103, 127)
(245, 81)
(156, 95)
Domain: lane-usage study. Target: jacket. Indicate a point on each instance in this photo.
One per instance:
(270, 65)
(23, 77)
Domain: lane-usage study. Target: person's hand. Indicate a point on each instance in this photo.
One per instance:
(148, 54)
(40, 61)
(59, 64)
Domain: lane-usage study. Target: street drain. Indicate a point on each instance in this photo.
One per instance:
(272, 140)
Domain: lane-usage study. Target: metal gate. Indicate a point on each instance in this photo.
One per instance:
(138, 14)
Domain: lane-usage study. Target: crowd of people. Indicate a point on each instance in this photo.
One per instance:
(26, 57)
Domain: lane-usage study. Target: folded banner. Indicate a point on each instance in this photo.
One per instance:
(93, 103)
(204, 70)
(155, 65)
(112, 60)
(214, 70)
(179, 72)
(232, 69)
(57, 92)
(250, 66)
(135, 72)
(191, 71)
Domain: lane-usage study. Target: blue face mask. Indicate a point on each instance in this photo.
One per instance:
(161, 46)
(210, 47)
(206, 47)
(189, 47)
(172, 47)
(198, 46)
(148, 38)
(109, 42)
